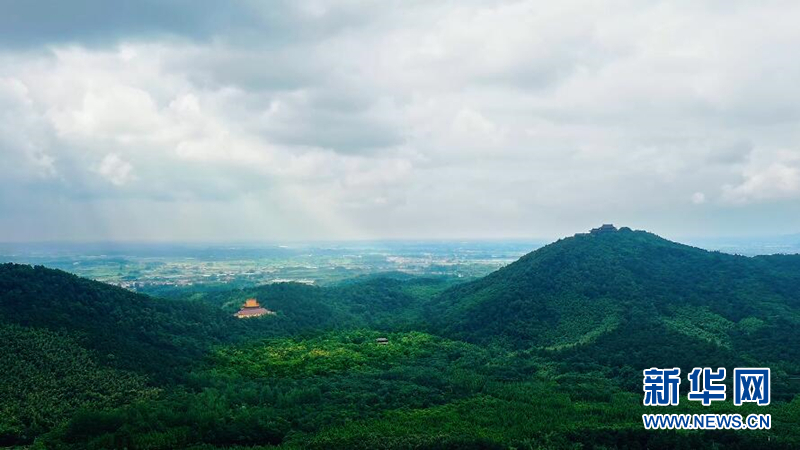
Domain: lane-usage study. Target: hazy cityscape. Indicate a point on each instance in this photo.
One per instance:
(150, 267)
(160, 268)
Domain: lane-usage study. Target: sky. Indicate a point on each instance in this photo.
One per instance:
(321, 120)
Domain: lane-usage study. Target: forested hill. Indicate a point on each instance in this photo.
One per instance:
(124, 329)
(555, 346)
(72, 344)
(624, 286)
(161, 338)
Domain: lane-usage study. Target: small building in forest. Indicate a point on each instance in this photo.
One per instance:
(606, 228)
(251, 308)
(382, 341)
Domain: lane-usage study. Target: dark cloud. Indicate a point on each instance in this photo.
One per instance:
(97, 22)
(105, 23)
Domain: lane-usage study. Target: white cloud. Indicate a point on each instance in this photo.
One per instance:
(776, 181)
(114, 169)
(394, 118)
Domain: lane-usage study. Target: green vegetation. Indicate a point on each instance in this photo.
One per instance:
(46, 377)
(123, 329)
(547, 352)
(563, 291)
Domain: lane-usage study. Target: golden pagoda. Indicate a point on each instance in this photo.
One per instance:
(251, 308)
(251, 303)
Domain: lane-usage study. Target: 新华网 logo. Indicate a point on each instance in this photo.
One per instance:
(661, 386)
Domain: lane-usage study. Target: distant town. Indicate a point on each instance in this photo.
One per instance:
(162, 268)
(151, 268)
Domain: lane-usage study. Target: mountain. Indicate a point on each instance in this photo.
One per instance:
(389, 300)
(71, 344)
(123, 329)
(547, 352)
(162, 338)
(630, 297)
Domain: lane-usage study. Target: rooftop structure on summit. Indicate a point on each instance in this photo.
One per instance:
(251, 303)
(605, 228)
(251, 308)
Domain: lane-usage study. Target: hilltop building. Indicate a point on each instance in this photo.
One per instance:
(606, 228)
(251, 308)
(382, 341)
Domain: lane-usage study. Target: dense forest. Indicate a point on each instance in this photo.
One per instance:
(547, 352)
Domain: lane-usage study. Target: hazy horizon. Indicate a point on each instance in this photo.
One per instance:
(686, 239)
(744, 245)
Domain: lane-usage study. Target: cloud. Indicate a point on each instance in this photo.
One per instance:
(99, 23)
(114, 169)
(734, 153)
(397, 119)
(773, 181)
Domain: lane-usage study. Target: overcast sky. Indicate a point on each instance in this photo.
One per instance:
(206, 120)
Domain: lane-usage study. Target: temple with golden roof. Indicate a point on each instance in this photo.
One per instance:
(251, 308)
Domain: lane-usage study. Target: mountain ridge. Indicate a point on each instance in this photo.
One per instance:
(581, 287)
(578, 320)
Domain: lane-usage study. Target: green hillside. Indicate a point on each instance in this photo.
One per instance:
(580, 289)
(47, 376)
(386, 301)
(544, 353)
(124, 329)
